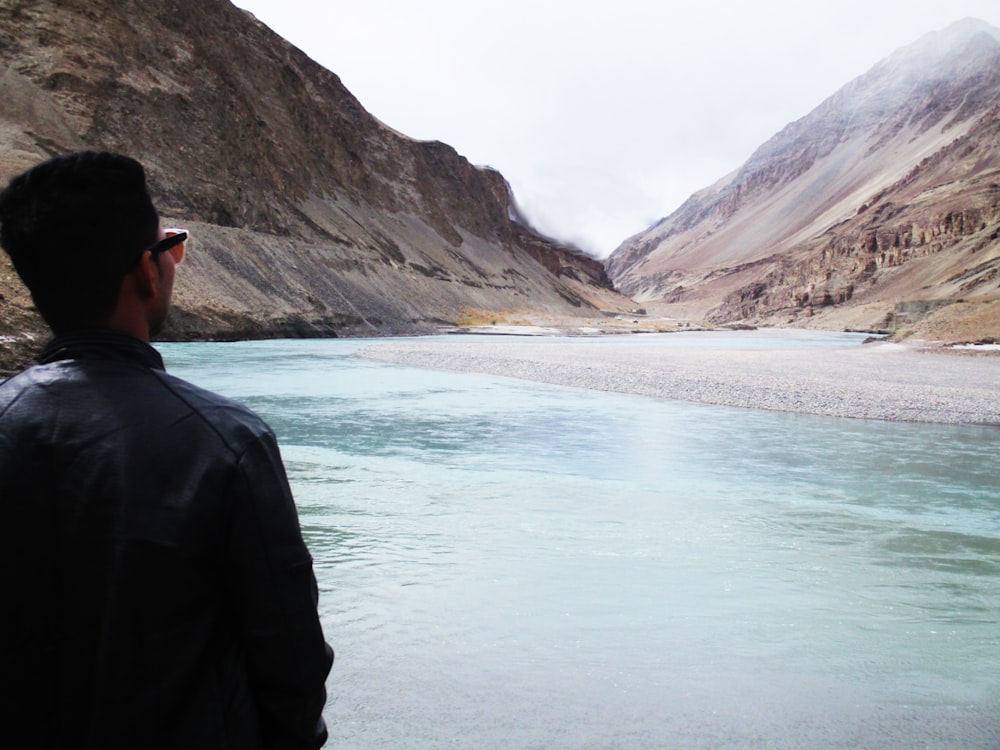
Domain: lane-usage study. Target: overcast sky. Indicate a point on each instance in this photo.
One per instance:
(603, 116)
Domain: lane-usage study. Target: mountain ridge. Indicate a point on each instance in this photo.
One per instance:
(308, 215)
(768, 244)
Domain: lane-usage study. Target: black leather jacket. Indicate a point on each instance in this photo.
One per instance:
(156, 589)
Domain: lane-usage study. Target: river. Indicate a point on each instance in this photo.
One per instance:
(505, 564)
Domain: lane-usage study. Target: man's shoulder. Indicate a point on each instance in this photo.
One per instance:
(223, 414)
(14, 387)
(60, 377)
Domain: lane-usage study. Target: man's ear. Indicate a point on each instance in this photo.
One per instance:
(147, 276)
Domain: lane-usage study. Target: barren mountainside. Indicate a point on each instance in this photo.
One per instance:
(308, 215)
(878, 210)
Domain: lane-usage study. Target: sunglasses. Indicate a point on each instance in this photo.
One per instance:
(173, 242)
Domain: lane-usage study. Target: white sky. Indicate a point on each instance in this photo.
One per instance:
(603, 116)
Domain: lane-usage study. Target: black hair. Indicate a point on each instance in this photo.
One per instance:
(73, 226)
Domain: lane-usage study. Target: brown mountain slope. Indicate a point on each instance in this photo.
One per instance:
(878, 209)
(308, 216)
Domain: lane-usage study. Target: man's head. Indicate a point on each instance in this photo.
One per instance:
(74, 227)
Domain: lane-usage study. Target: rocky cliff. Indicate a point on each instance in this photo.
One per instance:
(308, 215)
(878, 210)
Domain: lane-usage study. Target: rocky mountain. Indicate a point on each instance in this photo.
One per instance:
(308, 215)
(880, 209)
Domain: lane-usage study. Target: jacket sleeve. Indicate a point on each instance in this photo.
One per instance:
(275, 594)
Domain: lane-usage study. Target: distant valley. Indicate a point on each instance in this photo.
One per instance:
(878, 211)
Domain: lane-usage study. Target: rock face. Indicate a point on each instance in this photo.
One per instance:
(878, 210)
(308, 216)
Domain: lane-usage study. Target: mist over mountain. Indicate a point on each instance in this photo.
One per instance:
(880, 209)
(308, 215)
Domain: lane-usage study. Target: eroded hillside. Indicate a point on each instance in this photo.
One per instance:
(878, 210)
(308, 215)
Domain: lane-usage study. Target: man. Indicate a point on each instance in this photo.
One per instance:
(157, 592)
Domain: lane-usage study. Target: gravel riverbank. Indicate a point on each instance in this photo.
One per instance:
(869, 381)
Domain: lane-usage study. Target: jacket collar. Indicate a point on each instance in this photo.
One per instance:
(101, 344)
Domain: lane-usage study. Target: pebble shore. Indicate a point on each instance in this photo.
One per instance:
(868, 381)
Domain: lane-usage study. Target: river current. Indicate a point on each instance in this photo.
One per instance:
(505, 564)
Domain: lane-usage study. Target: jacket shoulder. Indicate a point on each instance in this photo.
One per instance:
(235, 423)
(22, 383)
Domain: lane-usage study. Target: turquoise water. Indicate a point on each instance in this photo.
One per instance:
(505, 564)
